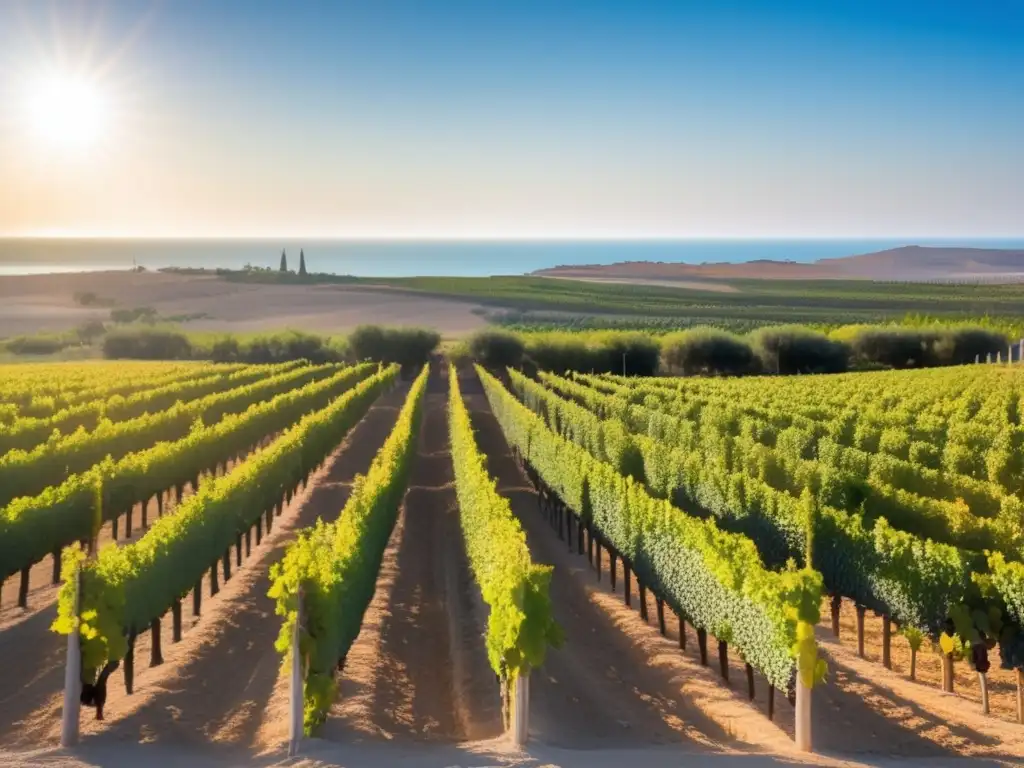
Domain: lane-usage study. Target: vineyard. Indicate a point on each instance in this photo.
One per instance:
(244, 556)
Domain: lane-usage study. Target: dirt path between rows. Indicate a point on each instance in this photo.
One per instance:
(418, 670)
(214, 684)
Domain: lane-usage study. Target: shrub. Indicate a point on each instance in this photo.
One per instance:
(90, 331)
(631, 354)
(147, 344)
(37, 345)
(561, 352)
(894, 347)
(900, 347)
(90, 299)
(497, 349)
(147, 314)
(281, 347)
(409, 347)
(793, 349)
(707, 351)
(959, 346)
(225, 350)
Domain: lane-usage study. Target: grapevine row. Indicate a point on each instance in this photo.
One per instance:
(125, 589)
(53, 393)
(26, 473)
(33, 527)
(974, 438)
(714, 579)
(332, 567)
(26, 433)
(953, 509)
(520, 623)
(915, 581)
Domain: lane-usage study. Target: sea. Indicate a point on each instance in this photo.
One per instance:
(403, 258)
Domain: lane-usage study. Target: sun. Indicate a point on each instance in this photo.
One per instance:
(66, 111)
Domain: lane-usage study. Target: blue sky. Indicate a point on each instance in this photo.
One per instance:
(595, 119)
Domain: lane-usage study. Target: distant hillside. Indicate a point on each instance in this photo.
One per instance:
(909, 262)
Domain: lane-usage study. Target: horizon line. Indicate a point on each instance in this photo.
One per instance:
(505, 237)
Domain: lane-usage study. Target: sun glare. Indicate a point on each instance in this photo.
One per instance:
(66, 111)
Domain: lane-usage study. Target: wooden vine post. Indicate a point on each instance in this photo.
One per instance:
(72, 675)
(23, 588)
(803, 715)
(1019, 671)
(521, 709)
(860, 631)
(947, 672)
(837, 603)
(809, 670)
(946, 654)
(886, 642)
(979, 656)
(156, 656)
(296, 701)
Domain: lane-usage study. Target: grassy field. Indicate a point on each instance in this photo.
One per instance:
(751, 303)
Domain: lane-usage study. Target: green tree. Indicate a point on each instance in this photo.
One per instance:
(302, 262)
(284, 262)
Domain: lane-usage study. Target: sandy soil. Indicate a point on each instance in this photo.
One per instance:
(952, 720)
(215, 683)
(33, 303)
(320, 754)
(418, 671)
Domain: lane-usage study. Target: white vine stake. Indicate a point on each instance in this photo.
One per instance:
(521, 710)
(72, 676)
(803, 715)
(296, 688)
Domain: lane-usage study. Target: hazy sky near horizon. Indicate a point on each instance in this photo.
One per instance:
(848, 118)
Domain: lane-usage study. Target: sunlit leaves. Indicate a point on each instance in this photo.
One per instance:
(520, 624)
(335, 565)
(126, 587)
(713, 578)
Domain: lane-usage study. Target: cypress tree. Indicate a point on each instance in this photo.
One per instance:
(284, 262)
(302, 262)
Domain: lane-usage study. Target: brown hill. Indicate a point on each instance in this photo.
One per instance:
(910, 262)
